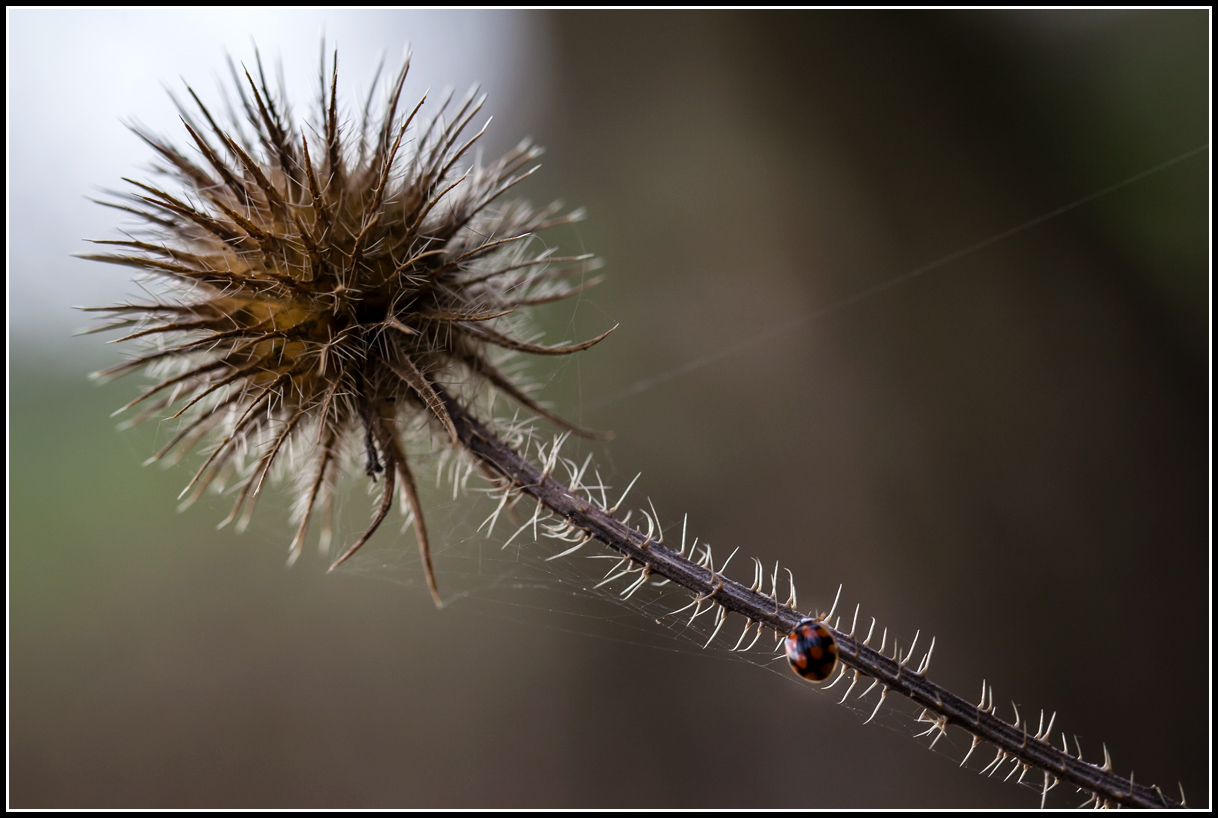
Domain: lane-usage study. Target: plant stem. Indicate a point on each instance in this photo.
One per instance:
(1013, 741)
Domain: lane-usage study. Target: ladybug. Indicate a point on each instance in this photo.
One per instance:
(811, 650)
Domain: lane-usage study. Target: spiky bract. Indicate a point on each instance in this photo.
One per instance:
(317, 293)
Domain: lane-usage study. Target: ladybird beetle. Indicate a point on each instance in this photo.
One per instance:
(811, 650)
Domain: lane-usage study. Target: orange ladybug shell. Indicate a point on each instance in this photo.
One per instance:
(811, 650)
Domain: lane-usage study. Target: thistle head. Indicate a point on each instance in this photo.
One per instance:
(321, 285)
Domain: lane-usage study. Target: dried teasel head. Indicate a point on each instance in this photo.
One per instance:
(319, 284)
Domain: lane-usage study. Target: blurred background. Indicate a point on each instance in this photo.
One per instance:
(1008, 452)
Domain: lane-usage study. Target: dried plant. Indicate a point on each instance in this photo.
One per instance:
(326, 292)
(315, 303)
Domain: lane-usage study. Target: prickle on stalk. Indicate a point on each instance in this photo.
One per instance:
(316, 284)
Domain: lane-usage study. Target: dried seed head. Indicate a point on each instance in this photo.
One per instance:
(319, 288)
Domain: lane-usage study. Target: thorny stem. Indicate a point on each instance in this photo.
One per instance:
(1013, 741)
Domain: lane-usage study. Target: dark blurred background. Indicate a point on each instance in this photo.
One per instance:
(1008, 452)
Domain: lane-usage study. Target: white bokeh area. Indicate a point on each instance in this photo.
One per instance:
(76, 77)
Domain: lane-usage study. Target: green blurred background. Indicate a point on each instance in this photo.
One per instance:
(1008, 452)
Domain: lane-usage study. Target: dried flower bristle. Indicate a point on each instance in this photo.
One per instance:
(316, 295)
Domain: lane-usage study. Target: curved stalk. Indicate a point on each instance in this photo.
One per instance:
(942, 708)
